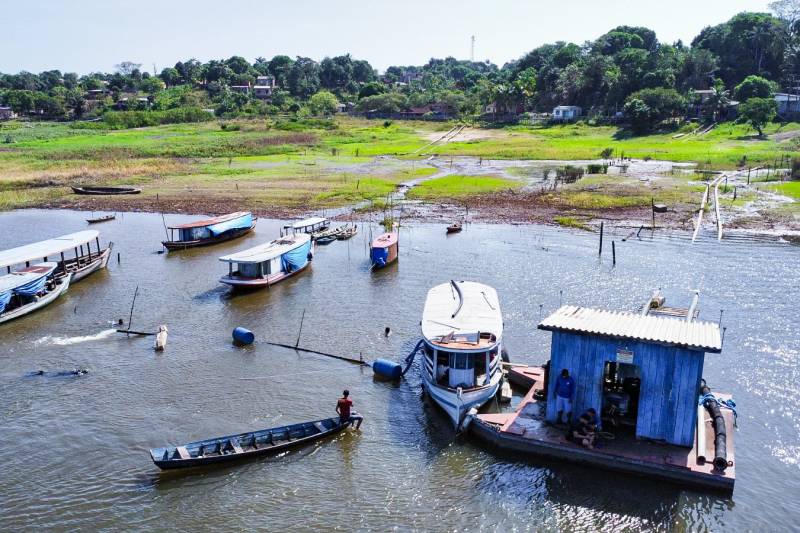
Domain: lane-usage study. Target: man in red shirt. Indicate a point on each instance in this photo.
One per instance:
(345, 414)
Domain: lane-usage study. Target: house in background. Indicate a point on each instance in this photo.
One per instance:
(566, 113)
(6, 113)
(264, 87)
(244, 89)
(788, 105)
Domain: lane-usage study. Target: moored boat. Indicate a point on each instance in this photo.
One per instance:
(83, 262)
(105, 191)
(27, 290)
(98, 220)
(314, 225)
(269, 263)
(347, 232)
(210, 231)
(455, 227)
(244, 445)
(384, 249)
(462, 329)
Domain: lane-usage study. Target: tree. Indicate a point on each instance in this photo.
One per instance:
(371, 89)
(238, 64)
(754, 87)
(151, 85)
(649, 107)
(303, 79)
(758, 112)
(279, 67)
(127, 68)
(170, 76)
(323, 103)
(388, 103)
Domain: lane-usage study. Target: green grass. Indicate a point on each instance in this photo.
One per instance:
(570, 222)
(456, 187)
(789, 188)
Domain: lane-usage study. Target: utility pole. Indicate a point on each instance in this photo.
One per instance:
(472, 49)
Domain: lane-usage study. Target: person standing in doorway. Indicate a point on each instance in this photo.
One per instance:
(346, 414)
(563, 392)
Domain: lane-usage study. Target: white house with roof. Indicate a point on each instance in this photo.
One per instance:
(566, 113)
(264, 87)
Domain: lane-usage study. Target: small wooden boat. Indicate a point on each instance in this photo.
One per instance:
(244, 445)
(97, 220)
(660, 208)
(210, 231)
(384, 249)
(83, 263)
(30, 289)
(269, 263)
(327, 239)
(347, 232)
(455, 227)
(105, 191)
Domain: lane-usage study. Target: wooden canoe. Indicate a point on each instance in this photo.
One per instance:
(244, 445)
(105, 191)
(454, 228)
(347, 232)
(101, 219)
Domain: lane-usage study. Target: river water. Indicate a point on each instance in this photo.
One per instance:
(74, 449)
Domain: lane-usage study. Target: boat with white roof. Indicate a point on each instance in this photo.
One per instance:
(27, 290)
(462, 330)
(310, 225)
(269, 263)
(72, 254)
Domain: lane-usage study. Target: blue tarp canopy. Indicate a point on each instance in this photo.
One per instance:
(242, 222)
(297, 258)
(22, 284)
(379, 256)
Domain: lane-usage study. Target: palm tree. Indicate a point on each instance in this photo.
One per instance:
(719, 100)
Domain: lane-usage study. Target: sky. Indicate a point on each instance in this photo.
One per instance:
(94, 35)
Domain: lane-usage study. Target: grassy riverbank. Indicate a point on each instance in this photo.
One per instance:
(289, 167)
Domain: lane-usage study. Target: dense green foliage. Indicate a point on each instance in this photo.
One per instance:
(758, 112)
(750, 56)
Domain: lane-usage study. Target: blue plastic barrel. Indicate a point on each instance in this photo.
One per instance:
(387, 369)
(243, 336)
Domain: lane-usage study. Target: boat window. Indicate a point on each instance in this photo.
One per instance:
(249, 270)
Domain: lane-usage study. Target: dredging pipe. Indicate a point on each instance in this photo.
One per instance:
(718, 423)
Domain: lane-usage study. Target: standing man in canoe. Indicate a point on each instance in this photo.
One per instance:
(343, 408)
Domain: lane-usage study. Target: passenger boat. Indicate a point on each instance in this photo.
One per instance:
(105, 191)
(244, 445)
(210, 231)
(384, 249)
(269, 263)
(462, 329)
(310, 225)
(455, 227)
(83, 262)
(27, 290)
(97, 220)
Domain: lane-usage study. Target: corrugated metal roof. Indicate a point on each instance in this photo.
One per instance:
(697, 335)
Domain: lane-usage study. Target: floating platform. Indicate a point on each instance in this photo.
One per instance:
(525, 433)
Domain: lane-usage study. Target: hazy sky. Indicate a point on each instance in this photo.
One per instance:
(91, 35)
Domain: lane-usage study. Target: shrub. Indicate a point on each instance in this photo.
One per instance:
(140, 119)
(597, 168)
(569, 173)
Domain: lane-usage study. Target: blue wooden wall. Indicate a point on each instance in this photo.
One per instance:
(669, 390)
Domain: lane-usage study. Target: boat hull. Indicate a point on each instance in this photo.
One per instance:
(97, 263)
(240, 283)
(44, 301)
(105, 191)
(227, 236)
(455, 407)
(324, 428)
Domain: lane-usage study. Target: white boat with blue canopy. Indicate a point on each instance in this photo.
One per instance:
(309, 225)
(24, 291)
(269, 263)
(210, 231)
(462, 330)
(72, 253)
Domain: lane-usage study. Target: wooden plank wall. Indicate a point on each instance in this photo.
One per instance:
(670, 378)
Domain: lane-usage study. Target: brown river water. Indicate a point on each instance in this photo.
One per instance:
(74, 453)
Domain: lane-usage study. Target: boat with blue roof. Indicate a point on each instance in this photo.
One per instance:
(210, 231)
(24, 291)
(269, 263)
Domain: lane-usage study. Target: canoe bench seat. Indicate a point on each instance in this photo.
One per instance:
(320, 427)
(183, 453)
(235, 445)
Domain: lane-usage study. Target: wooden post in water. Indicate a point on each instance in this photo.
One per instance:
(600, 252)
(748, 175)
(613, 254)
(653, 212)
(130, 316)
(302, 318)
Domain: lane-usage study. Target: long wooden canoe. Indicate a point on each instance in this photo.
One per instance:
(105, 191)
(244, 445)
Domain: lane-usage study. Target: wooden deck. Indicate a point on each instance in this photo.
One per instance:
(525, 432)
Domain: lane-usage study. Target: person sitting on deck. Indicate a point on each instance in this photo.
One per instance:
(594, 419)
(345, 414)
(563, 392)
(585, 432)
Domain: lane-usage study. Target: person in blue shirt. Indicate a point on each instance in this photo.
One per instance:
(563, 392)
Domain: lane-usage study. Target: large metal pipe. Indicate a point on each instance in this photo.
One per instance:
(701, 434)
(720, 436)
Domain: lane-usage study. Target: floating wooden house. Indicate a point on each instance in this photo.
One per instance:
(210, 231)
(72, 253)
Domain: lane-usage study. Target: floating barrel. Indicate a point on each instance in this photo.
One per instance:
(243, 336)
(387, 369)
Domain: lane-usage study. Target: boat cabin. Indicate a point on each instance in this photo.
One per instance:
(211, 228)
(73, 253)
(640, 371)
(309, 225)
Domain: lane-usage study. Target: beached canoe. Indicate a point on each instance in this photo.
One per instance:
(244, 445)
(105, 191)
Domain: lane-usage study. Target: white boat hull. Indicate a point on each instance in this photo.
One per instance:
(457, 406)
(97, 263)
(44, 301)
